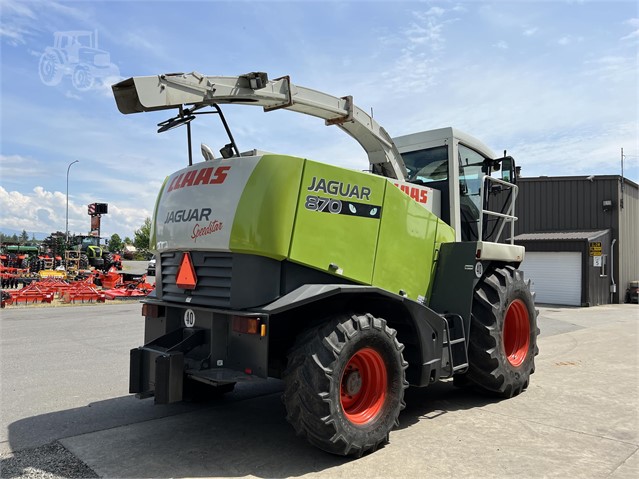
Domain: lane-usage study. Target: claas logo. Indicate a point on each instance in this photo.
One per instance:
(204, 176)
(418, 194)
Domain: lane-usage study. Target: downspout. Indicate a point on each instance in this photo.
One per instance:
(613, 286)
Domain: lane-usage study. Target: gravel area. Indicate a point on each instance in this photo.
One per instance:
(50, 461)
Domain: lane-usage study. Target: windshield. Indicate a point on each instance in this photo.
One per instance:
(427, 165)
(89, 241)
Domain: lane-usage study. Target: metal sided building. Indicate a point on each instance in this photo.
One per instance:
(581, 236)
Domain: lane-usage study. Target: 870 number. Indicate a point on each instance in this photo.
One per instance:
(326, 205)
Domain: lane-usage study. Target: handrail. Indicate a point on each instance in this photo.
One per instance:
(508, 217)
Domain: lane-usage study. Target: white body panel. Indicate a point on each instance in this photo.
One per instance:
(509, 253)
(186, 218)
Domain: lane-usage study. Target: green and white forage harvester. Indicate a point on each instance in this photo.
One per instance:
(350, 286)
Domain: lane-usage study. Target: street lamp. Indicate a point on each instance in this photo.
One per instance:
(66, 228)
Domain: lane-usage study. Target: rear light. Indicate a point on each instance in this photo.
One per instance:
(152, 311)
(248, 325)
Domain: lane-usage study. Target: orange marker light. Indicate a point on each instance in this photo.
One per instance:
(246, 325)
(186, 278)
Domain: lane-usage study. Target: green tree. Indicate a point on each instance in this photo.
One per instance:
(141, 236)
(127, 240)
(24, 236)
(115, 243)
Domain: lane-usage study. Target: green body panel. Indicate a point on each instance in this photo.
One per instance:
(263, 222)
(351, 224)
(337, 222)
(406, 245)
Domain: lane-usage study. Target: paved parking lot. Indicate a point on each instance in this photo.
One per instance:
(64, 380)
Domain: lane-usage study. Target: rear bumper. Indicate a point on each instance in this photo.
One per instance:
(209, 350)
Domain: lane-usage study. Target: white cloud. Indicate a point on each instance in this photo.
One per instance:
(42, 211)
(71, 95)
(428, 29)
(12, 7)
(419, 63)
(584, 151)
(612, 69)
(22, 20)
(502, 45)
(569, 39)
(16, 165)
(435, 11)
(529, 32)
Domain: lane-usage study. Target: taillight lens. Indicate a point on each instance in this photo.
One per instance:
(248, 325)
(152, 310)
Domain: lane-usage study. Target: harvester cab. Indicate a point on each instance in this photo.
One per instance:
(477, 189)
(347, 285)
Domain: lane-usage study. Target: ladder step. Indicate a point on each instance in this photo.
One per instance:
(456, 348)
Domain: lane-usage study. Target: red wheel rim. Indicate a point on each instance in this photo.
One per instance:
(363, 386)
(516, 333)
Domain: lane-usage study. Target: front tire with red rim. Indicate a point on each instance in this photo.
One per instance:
(503, 334)
(345, 384)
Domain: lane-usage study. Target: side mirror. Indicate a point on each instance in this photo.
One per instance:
(227, 151)
(508, 169)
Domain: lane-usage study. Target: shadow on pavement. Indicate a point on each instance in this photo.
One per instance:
(242, 434)
(438, 399)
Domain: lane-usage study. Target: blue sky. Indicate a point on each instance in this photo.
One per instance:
(553, 82)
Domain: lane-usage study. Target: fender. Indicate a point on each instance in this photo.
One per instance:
(425, 351)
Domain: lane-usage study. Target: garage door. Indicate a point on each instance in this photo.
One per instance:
(556, 276)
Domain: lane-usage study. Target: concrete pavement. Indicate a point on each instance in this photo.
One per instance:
(578, 418)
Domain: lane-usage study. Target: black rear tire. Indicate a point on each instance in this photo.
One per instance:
(108, 261)
(503, 334)
(345, 383)
(84, 261)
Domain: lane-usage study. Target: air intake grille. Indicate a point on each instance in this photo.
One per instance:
(213, 271)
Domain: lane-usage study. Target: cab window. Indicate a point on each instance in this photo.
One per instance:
(471, 175)
(425, 166)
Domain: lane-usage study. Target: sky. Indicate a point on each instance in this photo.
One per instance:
(553, 82)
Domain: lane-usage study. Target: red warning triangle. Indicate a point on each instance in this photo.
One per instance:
(186, 278)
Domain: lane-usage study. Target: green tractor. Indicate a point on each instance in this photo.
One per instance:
(348, 285)
(17, 255)
(93, 255)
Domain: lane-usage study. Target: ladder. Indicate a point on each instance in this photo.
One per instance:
(454, 351)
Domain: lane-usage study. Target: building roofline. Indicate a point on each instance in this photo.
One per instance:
(562, 235)
(578, 178)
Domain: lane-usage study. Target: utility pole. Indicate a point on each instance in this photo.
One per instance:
(66, 227)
